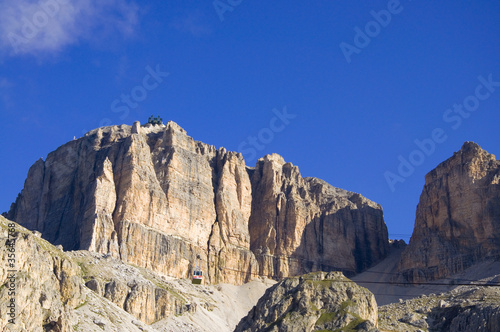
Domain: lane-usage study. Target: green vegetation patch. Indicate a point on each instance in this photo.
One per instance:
(351, 327)
(327, 317)
(321, 283)
(347, 304)
(85, 270)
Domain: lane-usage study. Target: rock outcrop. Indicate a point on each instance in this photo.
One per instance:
(43, 290)
(56, 291)
(464, 309)
(153, 197)
(39, 283)
(140, 293)
(458, 217)
(314, 302)
(311, 225)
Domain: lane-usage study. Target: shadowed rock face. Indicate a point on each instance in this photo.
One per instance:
(319, 226)
(464, 309)
(458, 217)
(154, 197)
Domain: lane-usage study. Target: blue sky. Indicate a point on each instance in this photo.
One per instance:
(360, 82)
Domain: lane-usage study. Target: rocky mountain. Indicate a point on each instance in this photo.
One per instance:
(464, 309)
(458, 217)
(309, 224)
(314, 302)
(58, 291)
(41, 284)
(134, 206)
(154, 197)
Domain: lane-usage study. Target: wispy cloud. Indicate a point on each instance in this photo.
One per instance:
(48, 26)
(192, 24)
(5, 90)
(5, 83)
(122, 68)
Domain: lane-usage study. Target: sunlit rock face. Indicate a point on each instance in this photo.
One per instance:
(154, 197)
(458, 217)
(299, 225)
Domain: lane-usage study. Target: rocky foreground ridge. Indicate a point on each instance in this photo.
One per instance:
(458, 217)
(41, 284)
(60, 291)
(464, 309)
(154, 197)
(317, 301)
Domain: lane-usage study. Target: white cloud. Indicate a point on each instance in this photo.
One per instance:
(47, 26)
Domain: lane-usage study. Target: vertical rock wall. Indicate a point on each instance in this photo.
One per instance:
(458, 217)
(154, 197)
(299, 225)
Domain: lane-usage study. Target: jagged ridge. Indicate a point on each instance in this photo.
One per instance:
(154, 197)
(458, 217)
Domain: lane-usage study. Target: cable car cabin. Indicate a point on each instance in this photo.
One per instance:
(197, 273)
(197, 277)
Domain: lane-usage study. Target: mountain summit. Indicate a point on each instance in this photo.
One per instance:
(458, 217)
(154, 197)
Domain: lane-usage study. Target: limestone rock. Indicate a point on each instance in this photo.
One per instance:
(458, 217)
(313, 302)
(96, 286)
(50, 295)
(154, 197)
(466, 309)
(136, 127)
(319, 226)
(48, 283)
(139, 293)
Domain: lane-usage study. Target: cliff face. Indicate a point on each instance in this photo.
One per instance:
(458, 217)
(154, 197)
(314, 302)
(44, 288)
(317, 225)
